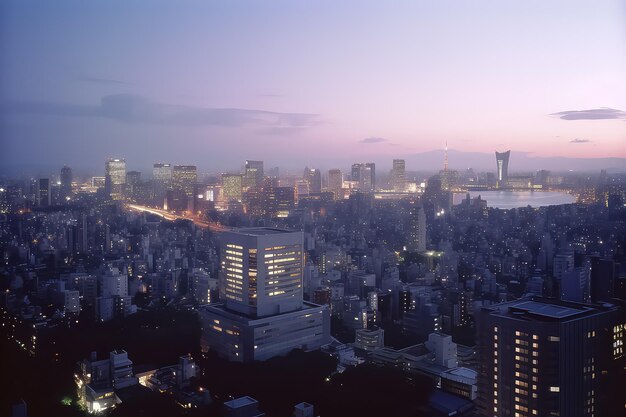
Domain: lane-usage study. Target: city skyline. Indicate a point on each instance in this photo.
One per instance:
(210, 79)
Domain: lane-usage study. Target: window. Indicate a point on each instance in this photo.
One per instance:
(555, 389)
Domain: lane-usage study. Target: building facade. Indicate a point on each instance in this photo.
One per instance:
(263, 314)
(502, 163)
(543, 357)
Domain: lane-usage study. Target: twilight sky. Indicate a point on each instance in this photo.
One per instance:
(308, 82)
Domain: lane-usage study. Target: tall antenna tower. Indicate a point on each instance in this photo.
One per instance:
(445, 161)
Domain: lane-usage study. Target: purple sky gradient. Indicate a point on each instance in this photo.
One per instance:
(295, 82)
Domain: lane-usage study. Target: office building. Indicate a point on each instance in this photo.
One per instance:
(417, 229)
(365, 176)
(66, 183)
(302, 189)
(162, 173)
(43, 192)
(133, 178)
(314, 178)
(263, 314)
(398, 176)
(184, 178)
(369, 339)
(253, 176)
(98, 182)
(261, 271)
(232, 187)
(161, 180)
(335, 183)
(278, 201)
(502, 162)
(544, 357)
(115, 177)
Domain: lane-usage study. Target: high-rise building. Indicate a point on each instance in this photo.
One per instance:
(543, 357)
(66, 183)
(253, 177)
(133, 177)
(417, 229)
(302, 189)
(115, 175)
(232, 187)
(270, 261)
(185, 177)
(314, 178)
(263, 314)
(502, 162)
(161, 180)
(278, 201)
(43, 192)
(335, 183)
(162, 173)
(365, 176)
(398, 176)
(274, 173)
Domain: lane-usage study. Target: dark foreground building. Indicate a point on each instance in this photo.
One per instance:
(543, 357)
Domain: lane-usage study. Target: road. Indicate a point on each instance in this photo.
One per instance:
(214, 226)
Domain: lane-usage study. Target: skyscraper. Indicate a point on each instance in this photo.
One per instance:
(253, 177)
(66, 183)
(417, 229)
(115, 174)
(543, 357)
(162, 181)
(270, 261)
(398, 176)
(278, 201)
(365, 175)
(185, 177)
(133, 177)
(502, 162)
(232, 187)
(43, 192)
(263, 314)
(314, 178)
(335, 183)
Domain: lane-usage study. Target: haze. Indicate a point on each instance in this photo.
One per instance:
(317, 83)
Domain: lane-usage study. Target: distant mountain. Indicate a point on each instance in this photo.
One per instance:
(518, 162)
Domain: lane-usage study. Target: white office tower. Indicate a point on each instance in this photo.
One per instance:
(263, 314)
(113, 283)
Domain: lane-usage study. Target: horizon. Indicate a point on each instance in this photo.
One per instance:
(482, 163)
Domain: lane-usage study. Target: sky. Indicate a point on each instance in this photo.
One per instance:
(316, 83)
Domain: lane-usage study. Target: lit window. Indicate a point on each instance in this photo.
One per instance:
(555, 389)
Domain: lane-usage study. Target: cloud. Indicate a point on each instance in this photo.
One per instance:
(132, 109)
(591, 114)
(373, 140)
(103, 81)
(579, 141)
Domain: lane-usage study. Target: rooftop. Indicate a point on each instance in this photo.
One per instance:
(462, 373)
(547, 310)
(260, 231)
(240, 402)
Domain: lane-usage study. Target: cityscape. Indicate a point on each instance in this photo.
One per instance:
(372, 262)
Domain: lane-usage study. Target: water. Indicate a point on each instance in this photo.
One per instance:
(514, 199)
